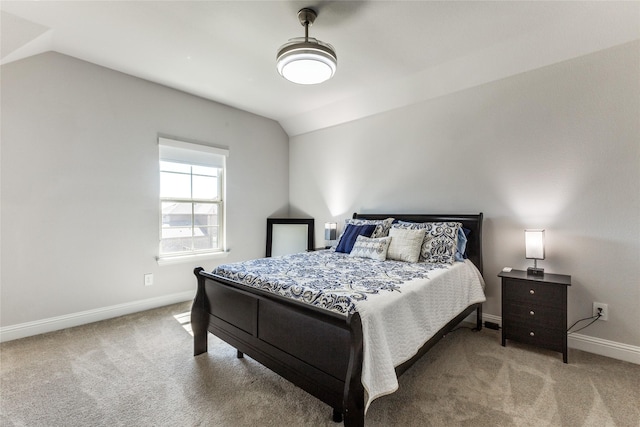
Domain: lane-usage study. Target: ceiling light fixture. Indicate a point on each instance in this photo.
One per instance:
(305, 60)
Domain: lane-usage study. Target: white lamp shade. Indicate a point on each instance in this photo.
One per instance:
(534, 244)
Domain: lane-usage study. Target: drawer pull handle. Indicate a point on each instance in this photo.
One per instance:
(532, 334)
(531, 291)
(532, 312)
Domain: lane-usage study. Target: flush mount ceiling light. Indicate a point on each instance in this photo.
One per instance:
(305, 60)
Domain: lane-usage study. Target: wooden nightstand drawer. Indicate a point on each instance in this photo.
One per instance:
(535, 335)
(540, 294)
(532, 314)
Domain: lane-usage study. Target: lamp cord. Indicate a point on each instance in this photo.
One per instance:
(596, 317)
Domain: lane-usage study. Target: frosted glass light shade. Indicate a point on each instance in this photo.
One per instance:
(306, 61)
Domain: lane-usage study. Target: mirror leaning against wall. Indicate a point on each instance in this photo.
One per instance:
(289, 235)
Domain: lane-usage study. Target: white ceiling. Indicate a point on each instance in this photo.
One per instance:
(390, 53)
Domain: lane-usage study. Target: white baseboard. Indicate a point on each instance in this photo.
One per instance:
(28, 329)
(492, 318)
(613, 349)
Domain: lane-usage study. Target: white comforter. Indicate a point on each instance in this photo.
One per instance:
(396, 326)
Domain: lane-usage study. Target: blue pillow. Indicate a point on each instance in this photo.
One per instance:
(350, 235)
(462, 244)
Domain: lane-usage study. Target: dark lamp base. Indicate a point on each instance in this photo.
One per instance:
(531, 271)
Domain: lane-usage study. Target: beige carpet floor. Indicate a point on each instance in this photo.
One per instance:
(138, 370)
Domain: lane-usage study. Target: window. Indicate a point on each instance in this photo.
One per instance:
(191, 198)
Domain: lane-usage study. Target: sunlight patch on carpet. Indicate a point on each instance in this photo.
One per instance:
(185, 320)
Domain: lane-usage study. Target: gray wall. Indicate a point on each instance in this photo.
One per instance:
(555, 148)
(80, 186)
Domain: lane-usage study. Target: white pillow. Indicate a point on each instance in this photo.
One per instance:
(405, 244)
(376, 249)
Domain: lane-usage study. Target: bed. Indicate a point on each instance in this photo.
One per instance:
(274, 329)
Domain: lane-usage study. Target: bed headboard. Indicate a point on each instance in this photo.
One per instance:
(471, 222)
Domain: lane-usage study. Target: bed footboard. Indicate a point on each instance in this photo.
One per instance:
(317, 350)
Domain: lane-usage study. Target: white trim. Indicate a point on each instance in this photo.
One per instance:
(175, 143)
(172, 150)
(28, 329)
(181, 259)
(492, 318)
(613, 349)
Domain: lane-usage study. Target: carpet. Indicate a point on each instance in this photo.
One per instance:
(138, 370)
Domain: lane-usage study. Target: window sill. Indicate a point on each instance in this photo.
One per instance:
(181, 259)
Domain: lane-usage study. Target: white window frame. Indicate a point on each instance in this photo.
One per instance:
(195, 154)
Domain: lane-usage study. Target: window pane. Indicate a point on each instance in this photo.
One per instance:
(175, 185)
(176, 244)
(205, 230)
(176, 232)
(205, 187)
(176, 215)
(205, 238)
(205, 214)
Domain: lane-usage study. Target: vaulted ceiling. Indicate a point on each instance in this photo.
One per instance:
(390, 53)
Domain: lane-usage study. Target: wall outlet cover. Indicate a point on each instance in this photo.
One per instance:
(148, 279)
(605, 310)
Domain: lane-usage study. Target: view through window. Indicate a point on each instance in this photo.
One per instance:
(191, 198)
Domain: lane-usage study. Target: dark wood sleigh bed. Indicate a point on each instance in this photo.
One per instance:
(323, 353)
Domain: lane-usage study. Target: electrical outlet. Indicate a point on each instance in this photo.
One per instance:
(604, 310)
(148, 279)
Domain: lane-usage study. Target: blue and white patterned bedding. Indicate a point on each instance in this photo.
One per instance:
(326, 279)
(402, 305)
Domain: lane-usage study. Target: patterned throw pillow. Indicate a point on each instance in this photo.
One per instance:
(382, 225)
(405, 244)
(440, 240)
(366, 247)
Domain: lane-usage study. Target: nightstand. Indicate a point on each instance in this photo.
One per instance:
(534, 309)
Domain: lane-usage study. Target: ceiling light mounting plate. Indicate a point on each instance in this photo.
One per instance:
(307, 16)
